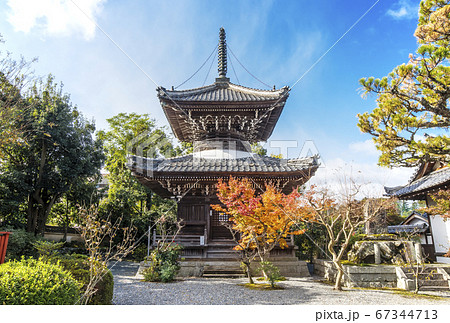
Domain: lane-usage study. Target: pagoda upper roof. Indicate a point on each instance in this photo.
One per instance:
(223, 109)
(223, 91)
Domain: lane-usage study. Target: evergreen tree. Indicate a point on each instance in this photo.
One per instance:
(412, 116)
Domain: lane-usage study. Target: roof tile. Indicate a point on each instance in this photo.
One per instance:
(223, 92)
(249, 164)
(434, 178)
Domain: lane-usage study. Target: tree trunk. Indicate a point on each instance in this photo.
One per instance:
(66, 220)
(31, 216)
(416, 290)
(248, 272)
(340, 274)
(38, 211)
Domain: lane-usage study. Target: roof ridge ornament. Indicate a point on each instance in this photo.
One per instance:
(222, 57)
(222, 53)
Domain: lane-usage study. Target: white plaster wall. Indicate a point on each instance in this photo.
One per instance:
(441, 233)
(444, 260)
(54, 236)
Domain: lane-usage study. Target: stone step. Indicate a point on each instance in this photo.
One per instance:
(227, 268)
(222, 256)
(440, 282)
(435, 288)
(221, 249)
(218, 275)
(434, 276)
(221, 242)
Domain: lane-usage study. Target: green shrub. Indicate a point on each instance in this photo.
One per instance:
(168, 272)
(271, 272)
(78, 266)
(139, 253)
(151, 274)
(20, 243)
(164, 263)
(35, 282)
(47, 249)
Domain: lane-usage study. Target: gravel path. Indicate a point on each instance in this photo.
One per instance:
(129, 290)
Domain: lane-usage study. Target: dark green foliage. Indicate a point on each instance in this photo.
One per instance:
(134, 134)
(57, 152)
(65, 212)
(35, 282)
(168, 271)
(105, 290)
(20, 243)
(47, 249)
(139, 253)
(164, 263)
(410, 123)
(78, 266)
(313, 243)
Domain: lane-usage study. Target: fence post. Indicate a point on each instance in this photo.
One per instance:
(3, 244)
(148, 241)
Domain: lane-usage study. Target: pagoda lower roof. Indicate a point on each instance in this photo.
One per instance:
(252, 165)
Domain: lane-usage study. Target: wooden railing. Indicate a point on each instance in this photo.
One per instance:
(196, 240)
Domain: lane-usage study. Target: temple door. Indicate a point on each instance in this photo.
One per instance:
(218, 231)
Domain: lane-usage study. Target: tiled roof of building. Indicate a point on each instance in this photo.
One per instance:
(427, 182)
(191, 164)
(423, 227)
(223, 92)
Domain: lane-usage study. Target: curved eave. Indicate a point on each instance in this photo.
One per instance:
(421, 187)
(222, 92)
(295, 178)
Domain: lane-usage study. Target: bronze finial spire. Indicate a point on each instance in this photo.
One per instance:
(222, 54)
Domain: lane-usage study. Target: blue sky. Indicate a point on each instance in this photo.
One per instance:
(115, 66)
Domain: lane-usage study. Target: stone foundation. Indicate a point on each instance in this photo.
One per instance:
(358, 276)
(196, 268)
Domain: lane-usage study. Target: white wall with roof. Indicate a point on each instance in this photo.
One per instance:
(441, 236)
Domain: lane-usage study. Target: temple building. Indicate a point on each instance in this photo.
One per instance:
(222, 120)
(429, 178)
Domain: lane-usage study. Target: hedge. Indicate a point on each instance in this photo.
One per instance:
(35, 282)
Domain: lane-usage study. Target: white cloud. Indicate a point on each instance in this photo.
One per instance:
(364, 147)
(404, 9)
(55, 17)
(337, 174)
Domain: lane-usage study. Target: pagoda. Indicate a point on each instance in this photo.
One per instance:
(222, 120)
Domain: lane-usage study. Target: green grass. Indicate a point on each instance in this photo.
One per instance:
(409, 294)
(348, 263)
(402, 292)
(277, 280)
(261, 286)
